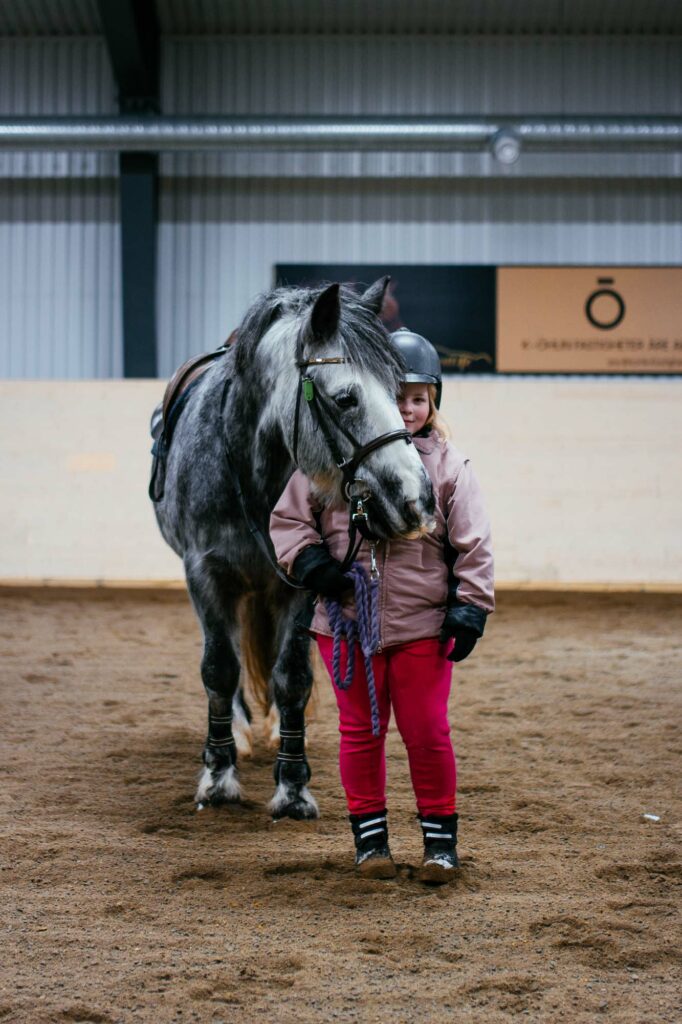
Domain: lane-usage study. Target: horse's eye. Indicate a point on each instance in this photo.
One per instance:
(345, 400)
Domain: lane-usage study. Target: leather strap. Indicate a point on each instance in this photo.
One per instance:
(185, 374)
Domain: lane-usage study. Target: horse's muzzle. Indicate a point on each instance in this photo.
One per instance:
(404, 518)
(419, 523)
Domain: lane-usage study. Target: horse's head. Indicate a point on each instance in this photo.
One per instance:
(332, 379)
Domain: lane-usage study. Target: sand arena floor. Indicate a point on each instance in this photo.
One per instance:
(121, 903)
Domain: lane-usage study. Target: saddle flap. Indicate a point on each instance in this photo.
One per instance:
(185, 375)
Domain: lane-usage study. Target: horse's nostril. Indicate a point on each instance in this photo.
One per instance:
(429, 502)
(411, 513)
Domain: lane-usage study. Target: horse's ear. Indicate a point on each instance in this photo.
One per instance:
(375, 294)
(324, 318)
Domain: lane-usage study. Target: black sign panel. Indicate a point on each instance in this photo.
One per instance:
(452, 306)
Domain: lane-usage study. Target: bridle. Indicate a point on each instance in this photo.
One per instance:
(324, 418)
(320, 409)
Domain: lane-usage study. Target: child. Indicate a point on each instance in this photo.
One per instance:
(433, 591)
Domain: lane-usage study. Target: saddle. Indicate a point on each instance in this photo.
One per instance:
(167, 412)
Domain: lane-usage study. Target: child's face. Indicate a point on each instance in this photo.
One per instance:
(413, 403)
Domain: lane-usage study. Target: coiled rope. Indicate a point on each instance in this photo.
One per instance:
(365, 629)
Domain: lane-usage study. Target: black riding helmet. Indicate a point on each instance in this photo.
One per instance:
(421, 360)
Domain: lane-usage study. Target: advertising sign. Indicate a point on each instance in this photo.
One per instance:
(589, 320)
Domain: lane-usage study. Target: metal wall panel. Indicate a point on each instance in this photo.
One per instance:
(56, 76)
(59, 232)
(220, 236)
(220, 239)
(422, 75)
(60, 293)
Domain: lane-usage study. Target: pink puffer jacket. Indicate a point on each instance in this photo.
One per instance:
(414, 577)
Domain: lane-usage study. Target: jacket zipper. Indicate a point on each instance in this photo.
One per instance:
(382, 592)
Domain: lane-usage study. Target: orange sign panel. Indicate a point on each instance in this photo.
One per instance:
(589, 319)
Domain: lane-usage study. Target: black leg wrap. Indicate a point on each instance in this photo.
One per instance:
(220, 750)
(295, 773)
(291, 760)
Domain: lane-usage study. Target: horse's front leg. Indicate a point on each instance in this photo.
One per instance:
(219, 780)
(292, 681)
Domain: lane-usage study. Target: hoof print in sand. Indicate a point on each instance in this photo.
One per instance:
(658, 875)
(604, 942)
(81, 1015)
(214, 877)
(513, 993)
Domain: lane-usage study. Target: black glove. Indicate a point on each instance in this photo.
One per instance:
(318, 571)
(464, 622)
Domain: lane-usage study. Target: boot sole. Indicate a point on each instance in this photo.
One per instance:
(377, 867)
(436, 874)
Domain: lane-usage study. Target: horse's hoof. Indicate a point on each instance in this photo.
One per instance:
(222, 787)
(294, 802)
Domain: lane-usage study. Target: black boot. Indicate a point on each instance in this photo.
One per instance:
(372, 855)
(440, 848)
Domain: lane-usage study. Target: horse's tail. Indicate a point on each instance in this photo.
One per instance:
(258, 653)
(257, 648)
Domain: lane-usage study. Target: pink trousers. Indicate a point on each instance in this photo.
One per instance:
(414, 679)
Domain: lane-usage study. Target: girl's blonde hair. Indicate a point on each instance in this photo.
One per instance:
(435, 420)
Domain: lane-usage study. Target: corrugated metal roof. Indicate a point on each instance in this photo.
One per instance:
(47, 18)
(358, 17)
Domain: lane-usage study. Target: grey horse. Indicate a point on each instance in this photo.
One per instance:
(242, 432)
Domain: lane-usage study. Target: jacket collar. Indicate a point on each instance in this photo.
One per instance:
(425, 443)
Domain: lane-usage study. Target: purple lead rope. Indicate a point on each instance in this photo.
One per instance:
(364, 628)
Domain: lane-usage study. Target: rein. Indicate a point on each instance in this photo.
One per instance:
(364, 629)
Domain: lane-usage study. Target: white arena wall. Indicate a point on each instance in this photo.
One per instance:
(582, 478)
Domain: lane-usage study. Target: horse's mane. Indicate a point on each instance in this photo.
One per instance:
(362, 336)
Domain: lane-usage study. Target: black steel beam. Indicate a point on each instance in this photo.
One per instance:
(131, 32)
(139, 204)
